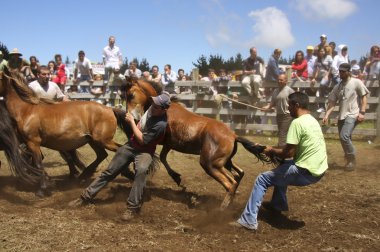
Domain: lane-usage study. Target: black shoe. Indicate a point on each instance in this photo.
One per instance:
(269, 207)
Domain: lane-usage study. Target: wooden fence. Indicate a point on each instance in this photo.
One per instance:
(198, 101)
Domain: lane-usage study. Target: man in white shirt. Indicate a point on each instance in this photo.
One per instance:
(168, 79)
(83, 67)
(112, 58)
(46, 89)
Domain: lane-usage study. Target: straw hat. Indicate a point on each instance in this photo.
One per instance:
(15, 51)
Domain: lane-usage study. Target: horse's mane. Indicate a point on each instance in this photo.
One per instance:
(24, 91)
(156, 86)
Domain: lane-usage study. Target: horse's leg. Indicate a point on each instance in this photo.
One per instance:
(236, 171)
(37, 160)
(101, 154)
(175, 176)
(68, 157)
(77, 161)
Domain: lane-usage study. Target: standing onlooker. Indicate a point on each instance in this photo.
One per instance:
(112, 58)
(349, 93)
(45, 88)
(305, 163)
(333, 51)
(133, 71)
(52, 70)
(341, 57)
(299, 67)
(61, 76)
(156, 76)
(253, 68)
(323, 41)
(84, 68)
(280, 101)
(321, 75)
(310, 59)
(34, 65)
(168, 79)
(372, 66)
(273, 70)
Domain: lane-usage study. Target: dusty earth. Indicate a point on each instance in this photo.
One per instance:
(339, 213)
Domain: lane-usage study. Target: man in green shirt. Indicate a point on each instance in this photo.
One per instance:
(305, 162)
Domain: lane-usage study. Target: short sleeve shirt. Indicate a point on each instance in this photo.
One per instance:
(306, 133)
(280, 100)
(347, 94)
(253, 64)
(83, 67)
(50, 91)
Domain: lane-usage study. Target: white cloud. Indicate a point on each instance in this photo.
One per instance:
(325, 9)
(272, 28)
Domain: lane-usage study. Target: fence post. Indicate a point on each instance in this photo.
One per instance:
(377, 138)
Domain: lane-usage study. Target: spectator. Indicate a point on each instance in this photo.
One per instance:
(17, 63)
(321, 75)
(181, 75)
(34, 65)
(211, 76)
(349, 94)
(168, 79)
(218, 88)
(156, 76)
(133, 71)
(146, 76)
(112, 58)
(253, 72)
(341, 57)
(323, 43)
(273, 71)
(306, 163)
(52, 70)
(333, 51)
(83, 66)
(372, 66)
(310, 59)
(299, 67)
(3, 62)
(280, 101)
(355, 70)
(45, 88)
(61, 76)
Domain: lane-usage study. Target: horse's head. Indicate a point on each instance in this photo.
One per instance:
(138, 93)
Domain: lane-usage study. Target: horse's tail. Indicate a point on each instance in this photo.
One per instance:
(121, 122)
(256, 150)
(17, 156)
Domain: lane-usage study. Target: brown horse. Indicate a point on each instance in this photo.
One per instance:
(59, 126)
(190, 133)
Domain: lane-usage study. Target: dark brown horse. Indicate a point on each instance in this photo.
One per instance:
(59, 126)
(15, 155)
(190, 133)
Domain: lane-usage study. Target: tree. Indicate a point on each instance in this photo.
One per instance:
(202, 65)
(5, 51)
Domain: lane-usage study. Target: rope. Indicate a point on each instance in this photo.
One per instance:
(242, 103)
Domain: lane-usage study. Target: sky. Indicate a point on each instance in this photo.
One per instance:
(178, 32)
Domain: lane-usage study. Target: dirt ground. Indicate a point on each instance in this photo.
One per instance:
(339, 213)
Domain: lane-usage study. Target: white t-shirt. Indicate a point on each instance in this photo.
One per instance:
(112, 56)
(51, 91)
(83, 67)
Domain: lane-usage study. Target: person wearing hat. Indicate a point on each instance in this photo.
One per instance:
(351, 95)
(16, 62)
(140, 149)
(310, 59)
(341, 57)
(323, 43)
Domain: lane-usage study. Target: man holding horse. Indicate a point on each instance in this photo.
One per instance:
(140, 148)
(45, 88)
(305, 162)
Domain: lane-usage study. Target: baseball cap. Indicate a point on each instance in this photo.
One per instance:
(345, 67)
(163, 100)
(309, 47)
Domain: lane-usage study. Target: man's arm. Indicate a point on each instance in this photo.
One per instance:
(288, 151)
(362, 108)
(137, 133)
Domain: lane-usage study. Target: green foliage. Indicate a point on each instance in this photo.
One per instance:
(5, 50)
(217, 62)
(143, 65)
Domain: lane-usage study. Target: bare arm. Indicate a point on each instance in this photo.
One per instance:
(137, 133)
(362, 109)
(288, 151)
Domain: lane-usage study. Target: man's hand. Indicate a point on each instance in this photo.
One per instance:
(360, 118)
(325, 119)
(268, 150)
(129, 118)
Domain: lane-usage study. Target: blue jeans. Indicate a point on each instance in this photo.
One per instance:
(285, 174)
(345, 128)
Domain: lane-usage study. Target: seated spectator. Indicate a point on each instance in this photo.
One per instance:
(61, 76)
(253, 68)
(211, 76)
(310, 59)
(168, 79)
(181, 75)
(34, 65)
(83, 71)
(156, 76)
(146, 76)
(372, 66)
(341, 57)
(133, 71)
(321, 75)
(333, 51)
(17, 63)
(273, 71)
(323, 41)
(299, 67)
(52, 69)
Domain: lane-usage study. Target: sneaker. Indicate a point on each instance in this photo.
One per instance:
(320, 110)
(237, 224)
(129, 214)
(80, 202)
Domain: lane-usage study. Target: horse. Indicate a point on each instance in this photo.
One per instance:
(190, 133)
(63, 126)
(16, 156)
